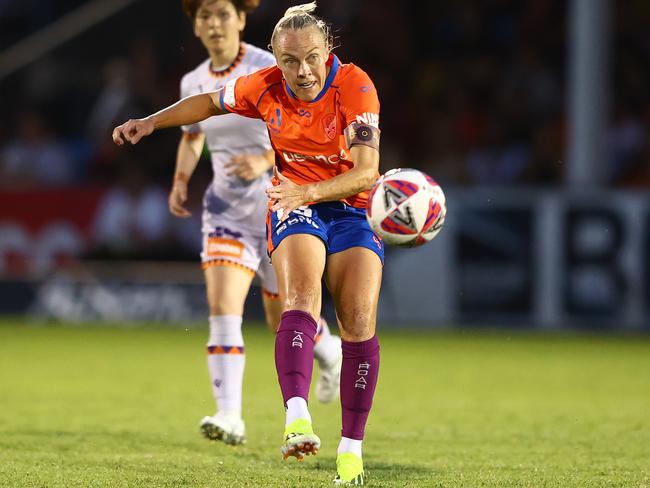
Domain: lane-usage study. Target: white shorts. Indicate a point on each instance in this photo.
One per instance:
(227, 244)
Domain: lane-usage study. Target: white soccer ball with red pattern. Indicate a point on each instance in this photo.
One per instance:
(406, 207)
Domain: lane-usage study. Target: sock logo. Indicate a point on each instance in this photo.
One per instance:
(217, 382)
(297, 339)
(362, 372)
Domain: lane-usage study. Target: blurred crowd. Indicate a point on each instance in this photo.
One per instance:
(472, 92)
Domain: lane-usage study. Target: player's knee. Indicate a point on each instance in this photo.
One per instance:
(216, 310)
(357, 324)
(305, 298)
(358, 335)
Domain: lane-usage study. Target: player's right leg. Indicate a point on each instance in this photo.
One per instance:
(327, 347)
(299, 262)
(227, 286)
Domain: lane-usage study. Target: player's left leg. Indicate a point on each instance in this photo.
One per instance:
(354, 279)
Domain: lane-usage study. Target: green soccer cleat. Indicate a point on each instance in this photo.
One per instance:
(300, 440)
(349, 470)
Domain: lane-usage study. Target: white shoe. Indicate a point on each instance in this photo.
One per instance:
(225, 428)
(329, 375)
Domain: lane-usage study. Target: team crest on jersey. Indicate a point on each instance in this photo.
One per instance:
(329, 124)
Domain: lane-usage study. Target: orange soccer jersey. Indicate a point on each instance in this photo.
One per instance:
(308, 136)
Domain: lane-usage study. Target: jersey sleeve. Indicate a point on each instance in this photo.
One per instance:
(241, 96)
(359, 101)
(187, 89)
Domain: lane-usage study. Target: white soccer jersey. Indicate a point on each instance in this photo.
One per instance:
(229, 197)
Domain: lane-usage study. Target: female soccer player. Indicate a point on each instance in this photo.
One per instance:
(322, 117)
(235, 207)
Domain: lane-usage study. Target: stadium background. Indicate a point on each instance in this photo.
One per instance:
(481, 95)
(477, 94)
(514, 346)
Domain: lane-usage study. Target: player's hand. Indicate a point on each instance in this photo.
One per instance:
(248, 167)
(132, 131)
(287, 196)
(177, 199)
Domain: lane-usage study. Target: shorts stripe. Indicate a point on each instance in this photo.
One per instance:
(225, 262)
(269, 233)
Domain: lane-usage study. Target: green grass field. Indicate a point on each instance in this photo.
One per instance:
(111, 406)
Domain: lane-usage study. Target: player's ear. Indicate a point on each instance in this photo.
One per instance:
(242, 20)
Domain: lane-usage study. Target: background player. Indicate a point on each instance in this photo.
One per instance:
(235, 206)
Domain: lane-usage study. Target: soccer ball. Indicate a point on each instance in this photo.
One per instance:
(406, 207)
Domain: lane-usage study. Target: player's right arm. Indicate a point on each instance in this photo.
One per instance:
(187, 157)
(187, 111)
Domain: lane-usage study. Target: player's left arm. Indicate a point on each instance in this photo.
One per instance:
(187, 111)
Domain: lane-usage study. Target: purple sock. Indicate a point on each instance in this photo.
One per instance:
(358, 381)
(294, 353)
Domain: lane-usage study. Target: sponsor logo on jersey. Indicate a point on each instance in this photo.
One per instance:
(329, 124)
(219, 247)
(318, 158)
(369, 118)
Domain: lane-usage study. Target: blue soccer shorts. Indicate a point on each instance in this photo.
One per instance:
(337, 224)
